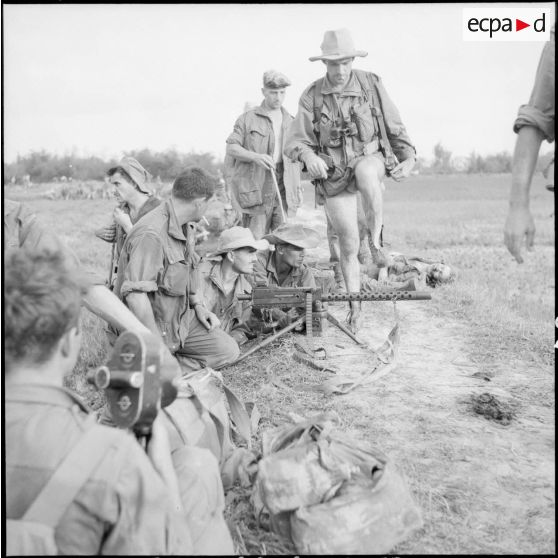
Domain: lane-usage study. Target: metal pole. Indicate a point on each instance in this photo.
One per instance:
(269, 340)
(278, 195)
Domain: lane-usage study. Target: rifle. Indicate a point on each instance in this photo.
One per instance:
(315, 303)
(115, 251)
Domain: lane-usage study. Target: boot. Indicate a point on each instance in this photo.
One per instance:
(378, 255)
(339, 280)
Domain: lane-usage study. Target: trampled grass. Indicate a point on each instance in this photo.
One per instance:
(505, 316)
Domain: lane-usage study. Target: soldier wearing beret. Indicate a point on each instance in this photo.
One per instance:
(256, 148)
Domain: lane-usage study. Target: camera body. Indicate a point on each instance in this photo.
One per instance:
(133, 383)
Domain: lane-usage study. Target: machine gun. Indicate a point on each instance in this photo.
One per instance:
(315, 303)
(133, 382)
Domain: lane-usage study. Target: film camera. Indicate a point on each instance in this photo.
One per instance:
(136, 381)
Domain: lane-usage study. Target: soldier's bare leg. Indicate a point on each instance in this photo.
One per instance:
(369, 175)
(342, 212)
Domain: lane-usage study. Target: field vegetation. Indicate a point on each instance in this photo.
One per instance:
(483, 487)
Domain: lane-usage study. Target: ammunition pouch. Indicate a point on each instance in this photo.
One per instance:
(337, 178)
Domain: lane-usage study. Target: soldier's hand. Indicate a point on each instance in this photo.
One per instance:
(288, 318)
(403, 169)
(108, 233)
(316, 166)
(208, 319)
(122, 219)
(263, 160)
(519, 225)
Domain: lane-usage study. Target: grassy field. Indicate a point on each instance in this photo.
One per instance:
(496, 322)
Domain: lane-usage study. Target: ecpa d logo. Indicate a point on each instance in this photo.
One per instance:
(507, 24)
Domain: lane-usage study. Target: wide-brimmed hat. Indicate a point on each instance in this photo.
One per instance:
(238, 237)
(338, 44)
(136, 172)
(295, 234)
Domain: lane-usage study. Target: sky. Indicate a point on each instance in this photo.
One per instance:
(108, 78)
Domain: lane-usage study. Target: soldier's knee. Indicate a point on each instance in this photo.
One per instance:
(349, 244)
(229, 350)
(370, 170)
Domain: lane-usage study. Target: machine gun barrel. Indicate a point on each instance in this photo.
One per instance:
(380, 294)
(296, 296)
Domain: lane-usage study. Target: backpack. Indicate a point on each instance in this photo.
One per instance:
(33, 534)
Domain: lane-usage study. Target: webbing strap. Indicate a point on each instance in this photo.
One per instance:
(318, 104)
(70, 476)
(377, 113)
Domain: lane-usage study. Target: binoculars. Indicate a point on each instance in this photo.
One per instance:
(134, 383)
(337, 132)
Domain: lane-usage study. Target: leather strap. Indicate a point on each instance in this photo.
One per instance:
(377, 113)
(70, 476)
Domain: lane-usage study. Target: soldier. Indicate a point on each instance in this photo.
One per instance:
(284, 267)
(256, 146)
(227, 277)
(339, 133)
(158, 276)
(125, 502)
(534, 123)
(135, 199)
(23, 229)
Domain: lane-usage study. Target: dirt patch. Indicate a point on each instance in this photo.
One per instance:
(484, 486)
(492, 408)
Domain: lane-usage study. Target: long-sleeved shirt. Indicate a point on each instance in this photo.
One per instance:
(158, 258)
(539, 112)
(251, 184)
(234, 314)
(122, 509)
(302, 139)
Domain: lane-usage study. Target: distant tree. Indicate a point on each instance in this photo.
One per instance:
(442, 159)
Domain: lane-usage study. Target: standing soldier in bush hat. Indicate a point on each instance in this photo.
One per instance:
(256, 147)
(349, 135)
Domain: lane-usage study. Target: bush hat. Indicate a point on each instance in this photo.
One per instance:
(273, 79)
(136, 172)
(238, 237)
(295, 234)
(338, 44)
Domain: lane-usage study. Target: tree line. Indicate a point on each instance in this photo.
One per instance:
(41, 166)
(444, 162)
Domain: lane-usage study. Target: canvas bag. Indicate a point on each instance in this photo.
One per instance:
(199, 417)
(33, 534)
(314, 481)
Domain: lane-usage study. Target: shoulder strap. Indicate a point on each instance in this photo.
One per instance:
(318, 104)
(70, 476)
(377, 112)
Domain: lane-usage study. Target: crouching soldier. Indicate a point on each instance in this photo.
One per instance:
(158, 277)
(228, 276)
(284, 267)
(73, 486)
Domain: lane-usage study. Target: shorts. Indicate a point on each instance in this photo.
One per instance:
(341, 180)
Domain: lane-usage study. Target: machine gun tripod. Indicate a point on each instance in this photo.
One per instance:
(315, 302)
